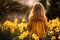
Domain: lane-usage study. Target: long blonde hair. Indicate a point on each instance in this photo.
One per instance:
(37, 15)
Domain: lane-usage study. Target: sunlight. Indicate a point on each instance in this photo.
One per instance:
(27, 2)
(30, 2)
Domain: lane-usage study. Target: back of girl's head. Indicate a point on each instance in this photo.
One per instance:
(38, 11)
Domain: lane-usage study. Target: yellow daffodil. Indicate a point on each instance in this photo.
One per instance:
(51, 32)
(24, 34)
(57, 29)
(23, 20)
(9, 24)
(53, 38)
(21, 26)
(59, 37)
(35, 36)
(55, 20)
(16, 21)
(12, 31)
(25, 25)
(50, 21)
(21, 29)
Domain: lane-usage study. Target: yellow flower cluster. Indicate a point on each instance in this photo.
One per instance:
(21, 26)
(24, 34)
(14, 25)
(52, 24)
(10, 24)
(35, 36)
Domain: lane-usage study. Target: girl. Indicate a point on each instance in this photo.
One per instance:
(37, 21)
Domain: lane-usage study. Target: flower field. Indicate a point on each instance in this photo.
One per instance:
(17, 30)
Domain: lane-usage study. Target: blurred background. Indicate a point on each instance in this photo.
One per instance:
(13, 23)
(10, 9)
